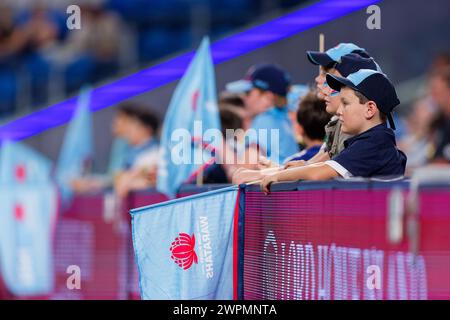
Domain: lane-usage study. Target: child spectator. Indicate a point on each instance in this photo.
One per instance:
(367, 100)
(265, 89)
(311, 119)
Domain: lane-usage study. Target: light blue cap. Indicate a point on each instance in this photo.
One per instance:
(341, 50)
(295, 94)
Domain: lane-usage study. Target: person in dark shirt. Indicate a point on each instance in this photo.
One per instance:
(343, 67)
(367, 100)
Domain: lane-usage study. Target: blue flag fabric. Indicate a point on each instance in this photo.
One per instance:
(184, 247)
(77, 148)
(28, 205)
(194, 99)
(21, 163)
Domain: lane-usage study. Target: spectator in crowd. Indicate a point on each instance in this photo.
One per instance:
(265, 88)
(221, 168)
(312, 118)
(295, 94)
(91, 53)
(140, 164)
(327, 60)
(21, 48)
(134, 153)
(120, 146)
(334, 138)
(235, 102)
(367, 100)
(440, 61)
(417, 143)
(420, 142)
(11, 40)
(119, 151)
(356, 58)
(41, 31)
(36, 51)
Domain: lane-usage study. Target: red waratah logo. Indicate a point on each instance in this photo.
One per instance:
(182, 249)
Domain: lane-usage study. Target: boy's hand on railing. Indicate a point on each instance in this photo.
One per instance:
(267, 181)
(264, 163)
(244, 176)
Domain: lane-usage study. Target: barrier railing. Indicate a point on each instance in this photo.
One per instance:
(305, 240)
(346, 240)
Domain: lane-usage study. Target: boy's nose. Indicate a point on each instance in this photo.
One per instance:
(339, 110)
(317, 80)
(320, 79)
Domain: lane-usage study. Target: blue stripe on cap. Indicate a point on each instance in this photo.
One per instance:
(239, 86)
(341, 50)
(261, 84)
(361, 75)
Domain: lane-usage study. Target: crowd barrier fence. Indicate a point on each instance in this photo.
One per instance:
(305, 240)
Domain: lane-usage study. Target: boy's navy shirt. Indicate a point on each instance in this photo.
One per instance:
(372, 153)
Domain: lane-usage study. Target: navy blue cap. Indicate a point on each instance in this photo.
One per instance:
(374, 85)
(330, 57)
(266, 77)
(353, 62)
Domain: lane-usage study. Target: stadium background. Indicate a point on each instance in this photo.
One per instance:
(411, 36)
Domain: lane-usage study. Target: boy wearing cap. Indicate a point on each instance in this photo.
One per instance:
(327, 60)
(348, 64)
(265, 89)
(334, 138)
(344, 59)
(367, 100)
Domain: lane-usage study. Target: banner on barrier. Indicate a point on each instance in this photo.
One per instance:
(185, 247)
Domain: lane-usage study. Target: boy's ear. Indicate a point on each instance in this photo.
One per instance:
(371, 109)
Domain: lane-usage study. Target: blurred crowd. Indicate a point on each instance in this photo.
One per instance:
(301, 114)
(37, 52)
(41, 60)
(427, 136)
(38, 55)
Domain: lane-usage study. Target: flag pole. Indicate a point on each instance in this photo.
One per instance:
(321, 44)
(200, 178)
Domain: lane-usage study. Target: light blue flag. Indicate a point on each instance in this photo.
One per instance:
(20, 163)
(184, 247)
(194, 100)
(28, 205)
(77, 148)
